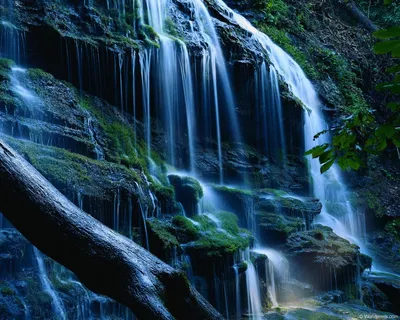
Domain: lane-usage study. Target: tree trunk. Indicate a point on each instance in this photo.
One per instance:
(360, 16)
(104, 261)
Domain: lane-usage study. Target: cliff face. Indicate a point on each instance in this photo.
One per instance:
(103, 114)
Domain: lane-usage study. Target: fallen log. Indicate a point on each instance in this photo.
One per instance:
(105, 262)
(360, 16)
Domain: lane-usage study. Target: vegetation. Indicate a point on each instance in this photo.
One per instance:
(366, 131)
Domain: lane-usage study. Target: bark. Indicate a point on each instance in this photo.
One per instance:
(360, 16)
(104, 261)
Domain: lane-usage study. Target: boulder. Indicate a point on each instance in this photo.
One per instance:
(325, 260)
(188, 191)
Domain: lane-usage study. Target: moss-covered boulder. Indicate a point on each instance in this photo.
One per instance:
(218, 236)
(374, 298)
(389, 285)
(274, 229)
(290, 206)
(239, 201)
(188, 192)
(324, 259)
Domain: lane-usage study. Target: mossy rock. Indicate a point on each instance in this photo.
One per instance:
(219, 236)
(323, 259)
(188, 191)
(275, 229)
(161, 238)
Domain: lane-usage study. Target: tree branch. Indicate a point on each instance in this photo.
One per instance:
(104, 261)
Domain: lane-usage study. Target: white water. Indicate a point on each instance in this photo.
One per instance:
(253, 290)
(271, 135)
(277, 269)
(329, 187)
(47, 286)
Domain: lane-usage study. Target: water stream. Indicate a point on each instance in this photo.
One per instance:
(171, 97)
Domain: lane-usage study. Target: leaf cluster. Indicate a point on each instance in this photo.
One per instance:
(363, 132)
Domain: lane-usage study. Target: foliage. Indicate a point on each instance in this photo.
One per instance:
(385, 14)
(364, 132)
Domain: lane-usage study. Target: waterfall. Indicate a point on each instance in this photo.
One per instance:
(253, 290)
(271, 136)
(328, 187)
(12, 39)
(57, 303)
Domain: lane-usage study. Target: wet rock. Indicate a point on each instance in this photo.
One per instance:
(292, 207)
(375, 298)
(324, 259)
(14, 252)
(188, 191)
(275, 229)
(388, 285)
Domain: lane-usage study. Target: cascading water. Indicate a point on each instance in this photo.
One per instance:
(173, 94)
(271, 136)
(328, 187)
(47, 287)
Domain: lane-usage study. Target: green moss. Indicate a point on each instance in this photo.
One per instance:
(220, 238)
(327, 62)
(233, 190)
(162, 234)
(274, 222)
(64, 168)
(275, 192)
(7, 291)
(5, 68)
(186, 226)
(170, 28)
(120, 139)
(242, 266)
(39, 74)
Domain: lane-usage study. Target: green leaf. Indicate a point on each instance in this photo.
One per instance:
(392, 32)
(382, 145)
(386, 130)
(327, 165)
(393, 69)
(396, 142)
(353, 163)
(386, 46)
(394, 106)
(343, 163)
(326, 156)
(317, 151)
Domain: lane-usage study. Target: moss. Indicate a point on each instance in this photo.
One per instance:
(233, 190)
(215, 240)
(273, 222)
(120, 138)
(7, 291)
(39, 74)
(242, 267)
(39, 301)
(5, 68)
(186, 226)
(374, 203)
(170, 28)
(275, 192)
(162, 234)
(64, 168)
(327, 62)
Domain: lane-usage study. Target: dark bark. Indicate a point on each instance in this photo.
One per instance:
(104, 261)
(360, 16)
